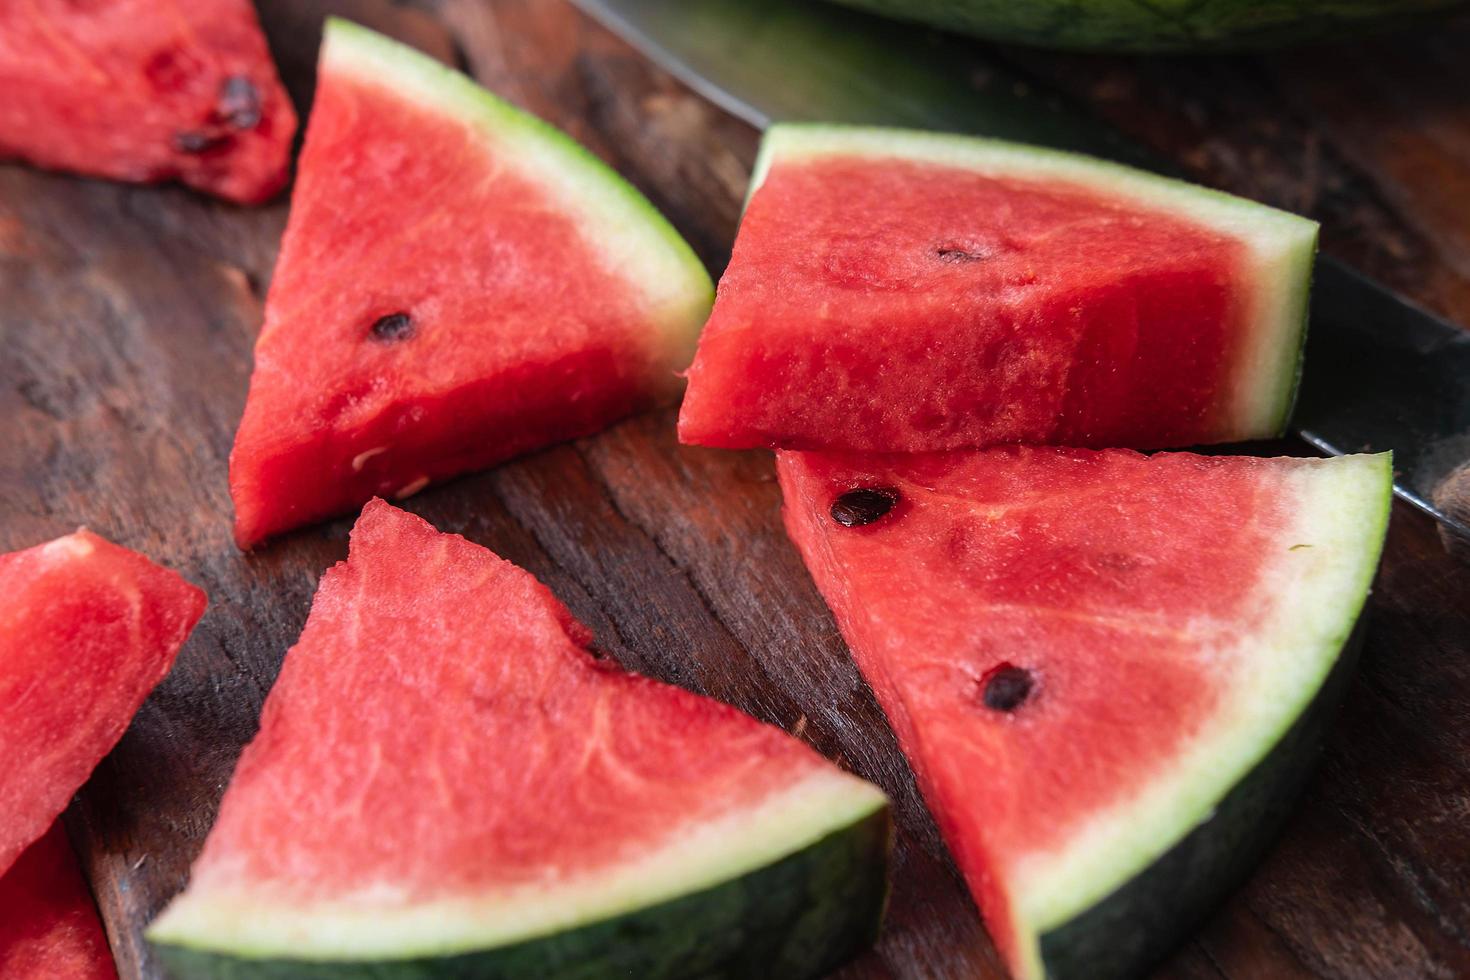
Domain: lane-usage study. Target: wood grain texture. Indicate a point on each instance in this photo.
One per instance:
(126, 321)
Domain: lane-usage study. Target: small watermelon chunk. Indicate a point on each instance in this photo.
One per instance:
(87, 629)
(1109, 672)
(49, 929)
(459, 283)
(446, 780)
(146, 91)
(898, 291)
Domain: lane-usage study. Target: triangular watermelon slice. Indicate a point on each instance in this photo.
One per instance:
(1108, 671)
(898, 291)
(447, 782)
(459, 283)
(165, 90)
(87, 629)
(49, 928)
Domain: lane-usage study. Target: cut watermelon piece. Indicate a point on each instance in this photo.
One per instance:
(899, 291)
(145, 91)
(49, 928)
(1109, 672)
(459, 283)
(87, 629)
(445, 780)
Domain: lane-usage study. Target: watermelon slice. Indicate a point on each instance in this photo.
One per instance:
(49, 928)
(145, 90)
(447, 783)
(86, 630)
(1108, 671)
(898, 291)
(459, 283)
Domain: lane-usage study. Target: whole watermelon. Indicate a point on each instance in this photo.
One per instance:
(1155, 25)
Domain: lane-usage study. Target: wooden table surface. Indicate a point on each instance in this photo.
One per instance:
(127, 317)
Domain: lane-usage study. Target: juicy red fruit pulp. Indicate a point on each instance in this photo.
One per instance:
(892, 305)
(49, 928)
(145, 90)
(442, 728)
(1088, 570)
(433, 311)
(1043, 627)
(87, 629)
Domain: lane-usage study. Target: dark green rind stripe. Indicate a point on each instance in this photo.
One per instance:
(1137, 925)
(797, 918)
(1131, 25)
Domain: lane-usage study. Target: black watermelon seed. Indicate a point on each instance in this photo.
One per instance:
(239, 102)
(394, 326)
(953, 254)
(863, 505)
(196, 142)
(1006, 687)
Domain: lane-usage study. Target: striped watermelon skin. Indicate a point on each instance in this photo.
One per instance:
(1171, 26)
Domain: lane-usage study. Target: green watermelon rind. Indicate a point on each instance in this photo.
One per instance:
(631, 237)
(798, 917)
(1283, 245)
(1160, 26)
(1255, 767)
(1139, 923)
(803, 885)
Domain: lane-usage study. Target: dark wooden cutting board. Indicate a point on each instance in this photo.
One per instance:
(127, 317)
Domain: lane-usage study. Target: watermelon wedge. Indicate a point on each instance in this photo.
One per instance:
(145, 90)
(1109, 672)
(459, 283)
(896, 291)
(49, 928)
(447, 783)
(87, 629)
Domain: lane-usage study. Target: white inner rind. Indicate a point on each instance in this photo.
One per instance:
(1280, 246)
(381, 923)
(1309, 598)
(632, 240)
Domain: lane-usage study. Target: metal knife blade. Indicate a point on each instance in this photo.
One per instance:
(1380, 373)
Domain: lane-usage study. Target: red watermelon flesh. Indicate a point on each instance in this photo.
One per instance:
(87, 629)
(904, 292)
(49, 928)
(459, 283)
(443, 766)
(1081, 651)
(145, 90)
